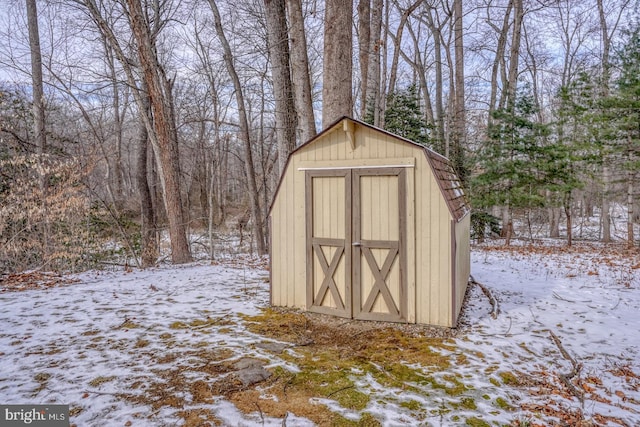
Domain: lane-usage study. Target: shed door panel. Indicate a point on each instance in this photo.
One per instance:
(355, 243)
(328, 207)
(379, 221)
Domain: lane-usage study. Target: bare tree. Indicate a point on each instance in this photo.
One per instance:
(337, 66)
(245, 136)
(162, 129)
(436, 26)
(397, 45)
(459, 127)
(300, 73)
(370, 57)
(159, 88)
(514, 54)
(38, 113)
(418, 62)
(364, 39)
(606, 172)
(498, 61)
(278, 43)
(218, 158)
(118, 115)
(148, 237)
(36, 77)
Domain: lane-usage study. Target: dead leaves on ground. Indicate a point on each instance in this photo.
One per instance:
(611, 254)
(33, 280)
(549, 388)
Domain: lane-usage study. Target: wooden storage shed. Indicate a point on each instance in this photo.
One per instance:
(369, 225)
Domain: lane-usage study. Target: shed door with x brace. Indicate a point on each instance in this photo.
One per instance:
(356, 221)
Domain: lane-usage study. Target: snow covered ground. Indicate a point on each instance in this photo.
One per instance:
(148, 348)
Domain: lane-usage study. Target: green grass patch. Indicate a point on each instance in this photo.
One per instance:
(412, 405)
(509, 378)
(503, 404)
(469, 403)
(476, 422)
(456, 389)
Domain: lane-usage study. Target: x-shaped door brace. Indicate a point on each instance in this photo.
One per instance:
(328, 284)
(380, 285)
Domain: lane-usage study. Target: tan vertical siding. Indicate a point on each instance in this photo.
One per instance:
(411, 246)
(433, 248)
(462, 262)
(288, 241)
(296, 239)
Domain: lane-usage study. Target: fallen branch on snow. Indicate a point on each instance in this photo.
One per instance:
(555, 295)
(495, 307)
(575, 369)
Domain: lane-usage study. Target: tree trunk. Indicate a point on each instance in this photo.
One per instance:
(364, 38)
(554, 222)
(506, 218)
(630, 237)
(567, 212)
(373, 100)
(337, 66)
(606, 172)
(36, 77)
(117, 123)
(149, 242)
(300, 72)
(436, 32)
(278, 43)
(588, 204)
(514, 54)
(459, 128)
(38, 118)
(254, 196)
(630, 198)
(509, 227)
(159, 90)
(498, 60)
(421, 76)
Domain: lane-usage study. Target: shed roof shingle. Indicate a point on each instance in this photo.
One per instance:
(450, 185)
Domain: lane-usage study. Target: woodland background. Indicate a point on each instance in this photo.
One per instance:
(126, 124)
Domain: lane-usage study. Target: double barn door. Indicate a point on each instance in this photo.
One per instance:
(355, 227)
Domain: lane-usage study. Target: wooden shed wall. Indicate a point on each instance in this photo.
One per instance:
(462, 263)
(429, 270)
(433, 249)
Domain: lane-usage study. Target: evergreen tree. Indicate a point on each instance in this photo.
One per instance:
(623, 108)
(404, 117)
(511, 162)
(574, 151)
